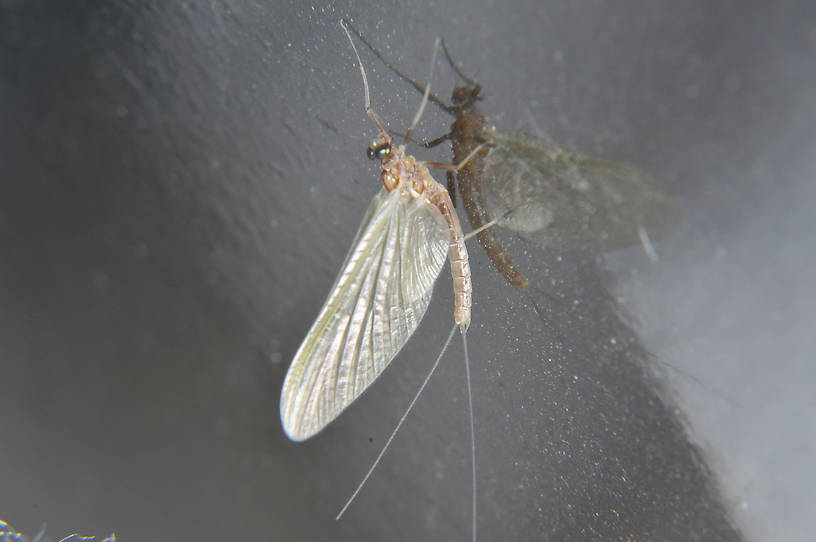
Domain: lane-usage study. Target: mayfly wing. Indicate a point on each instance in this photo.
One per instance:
(568, 201)
(376, 303)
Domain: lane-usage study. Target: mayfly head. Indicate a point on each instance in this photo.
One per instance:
(380, 148)
(466, 96)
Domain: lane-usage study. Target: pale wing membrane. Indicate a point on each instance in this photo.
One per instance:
(568, 201)
(376, 303)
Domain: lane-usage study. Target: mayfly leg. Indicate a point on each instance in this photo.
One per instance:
(425, 95)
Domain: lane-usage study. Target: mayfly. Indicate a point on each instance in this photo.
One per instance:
(382, 290)
(555, 198)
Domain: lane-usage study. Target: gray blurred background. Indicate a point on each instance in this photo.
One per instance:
(180, 183)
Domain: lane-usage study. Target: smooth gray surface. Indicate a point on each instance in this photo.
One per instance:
(180, 184)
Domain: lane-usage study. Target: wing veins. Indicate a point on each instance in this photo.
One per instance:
(383, 249)
(374, 260)
(393, 264)
(311, 382)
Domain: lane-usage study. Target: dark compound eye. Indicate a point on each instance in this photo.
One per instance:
(379, 152)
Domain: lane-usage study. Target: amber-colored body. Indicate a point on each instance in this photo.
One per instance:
(401, 171)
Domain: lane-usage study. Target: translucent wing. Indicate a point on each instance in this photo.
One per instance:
(375, 305)
(568, 201)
